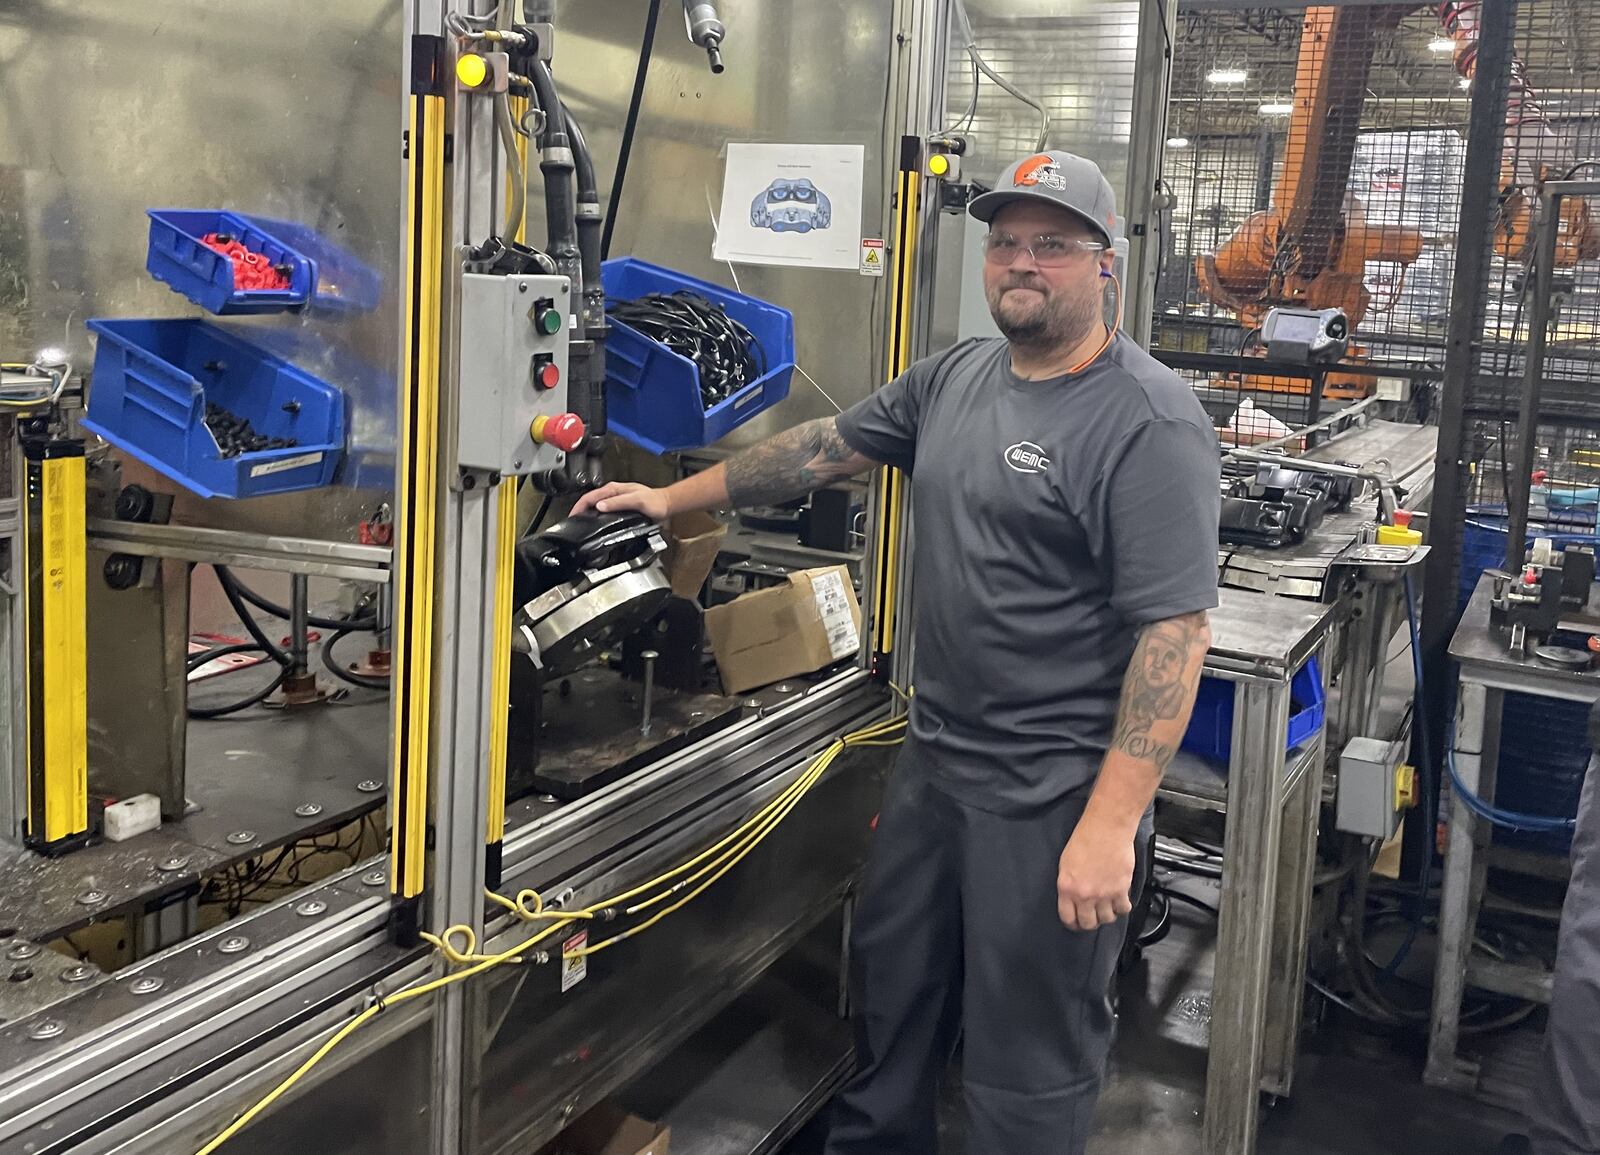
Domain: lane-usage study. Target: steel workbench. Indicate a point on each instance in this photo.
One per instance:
(1488, 671)
(1271, 796)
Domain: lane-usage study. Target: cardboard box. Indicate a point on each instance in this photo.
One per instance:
(693, 542)
(809, 622)
(609, 1130)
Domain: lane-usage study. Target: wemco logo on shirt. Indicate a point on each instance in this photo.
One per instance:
(1026, 457)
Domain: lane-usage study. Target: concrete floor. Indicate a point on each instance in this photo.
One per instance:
(1356, 1093)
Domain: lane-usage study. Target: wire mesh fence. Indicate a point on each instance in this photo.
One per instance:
(1314, 160)
(1317, 157)
(1040, 53)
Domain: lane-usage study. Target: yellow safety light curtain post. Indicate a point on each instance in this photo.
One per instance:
(891, 483)
(504, 605)
(56, 624)
(500, 684)
(416, 485)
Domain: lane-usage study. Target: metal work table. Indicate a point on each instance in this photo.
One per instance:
(1488, 670)
(1301, 570)
(1271, 797)
(257, 781)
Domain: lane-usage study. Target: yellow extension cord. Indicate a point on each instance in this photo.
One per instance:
(714, 862)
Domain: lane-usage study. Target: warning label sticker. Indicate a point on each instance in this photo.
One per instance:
(574, 970)
(833, 603)
(871, 257)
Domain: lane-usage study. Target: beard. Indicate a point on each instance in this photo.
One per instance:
(1044, 318)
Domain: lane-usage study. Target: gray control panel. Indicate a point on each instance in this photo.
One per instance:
(515, 331)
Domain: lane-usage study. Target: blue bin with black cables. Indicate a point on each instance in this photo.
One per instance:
(653, 393)
(1210, 732)
(148, 395)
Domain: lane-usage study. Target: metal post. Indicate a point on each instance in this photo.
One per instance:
(464, 625)
(1291, 921)
(1477, 738)
(1480, 180)
(299, 626)
(1250, 859)
(1152, 76)
(1549, 231)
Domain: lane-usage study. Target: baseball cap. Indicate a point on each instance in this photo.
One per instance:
(1058, 178)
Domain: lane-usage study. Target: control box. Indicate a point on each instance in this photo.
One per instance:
(515, 334)
(1374, 788)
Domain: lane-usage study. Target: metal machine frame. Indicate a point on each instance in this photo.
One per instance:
(165, 1053)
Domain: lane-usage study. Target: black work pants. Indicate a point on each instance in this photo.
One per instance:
(956, 931)
(1565, 1108)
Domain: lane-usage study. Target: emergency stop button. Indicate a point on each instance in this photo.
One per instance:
(565, 431)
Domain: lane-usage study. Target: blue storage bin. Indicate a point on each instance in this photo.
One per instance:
(1210, 732)
(148, 396)
(653, 394)
(178, 257)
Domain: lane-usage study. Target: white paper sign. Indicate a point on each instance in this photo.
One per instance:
(792, 204)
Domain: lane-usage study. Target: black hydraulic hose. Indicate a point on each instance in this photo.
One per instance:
(277, 611)
(557, 165)
(646, 49)
(245, 704)
(204, 656)
(230, 588)
(594, 298)
(588, 210)
(331, 664)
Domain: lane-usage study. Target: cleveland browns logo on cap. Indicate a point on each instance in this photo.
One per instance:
(1038, 170)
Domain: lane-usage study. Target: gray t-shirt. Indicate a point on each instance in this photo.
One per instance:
(1052, 520)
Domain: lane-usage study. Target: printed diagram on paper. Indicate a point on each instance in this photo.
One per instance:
(792, 204)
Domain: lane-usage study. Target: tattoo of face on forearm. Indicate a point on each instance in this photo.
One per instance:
(1154, 689)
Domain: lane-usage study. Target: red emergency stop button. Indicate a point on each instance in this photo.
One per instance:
(547, 373)
(565, 431)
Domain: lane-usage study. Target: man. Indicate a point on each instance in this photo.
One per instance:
(1564, 1110)
(1065, 498)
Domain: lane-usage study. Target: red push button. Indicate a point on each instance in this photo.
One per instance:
(548, 375)
(564, 431)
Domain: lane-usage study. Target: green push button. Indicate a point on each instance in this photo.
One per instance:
(547, 318)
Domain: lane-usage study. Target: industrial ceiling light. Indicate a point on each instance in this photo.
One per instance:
(1177, 142)
(1277, 108)
(1441, 45)
(1227, 76)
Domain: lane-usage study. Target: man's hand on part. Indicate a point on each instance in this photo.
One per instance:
(1096, 874)
(625, 497)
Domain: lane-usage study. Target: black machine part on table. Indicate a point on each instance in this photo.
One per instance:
(584, 584)
(1270, 504)
(572, 735)
(828, 522)
(1529, 606)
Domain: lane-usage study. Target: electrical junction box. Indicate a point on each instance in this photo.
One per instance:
(1374, 788)
(515, 331)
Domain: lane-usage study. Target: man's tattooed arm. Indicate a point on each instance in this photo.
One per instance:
(792, 464)
(1158, 691)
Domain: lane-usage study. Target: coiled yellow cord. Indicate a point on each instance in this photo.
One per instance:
(528, 905)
